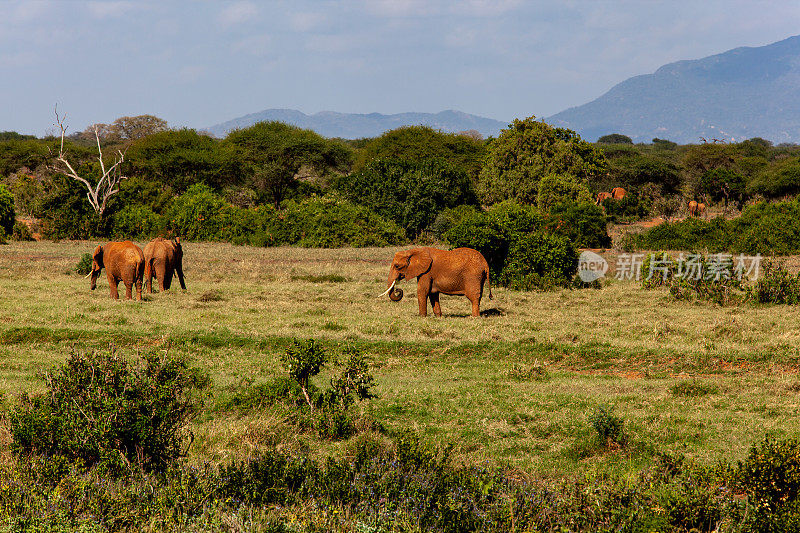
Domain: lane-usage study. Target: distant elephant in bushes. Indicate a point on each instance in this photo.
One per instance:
(618, 193)
(162, 259)
(602, 196)
(462, 271)
(123, 261)
(701, 209)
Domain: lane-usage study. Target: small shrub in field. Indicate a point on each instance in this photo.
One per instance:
(211, 296)
(609, 427)
(692, 388)
(304, 360)
(21, 232)
(657, 270)
(101, 409)
(535, 372)
(84, 266)
(776, 286)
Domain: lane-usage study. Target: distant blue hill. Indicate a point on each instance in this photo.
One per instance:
(736, 95)
(356, 126)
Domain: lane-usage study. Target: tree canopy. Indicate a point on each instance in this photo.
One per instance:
(529, 150)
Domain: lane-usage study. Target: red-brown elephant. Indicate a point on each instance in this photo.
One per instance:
(618, 193)
(123, 261)
(601, 196)
(162, 259)
(462, 272)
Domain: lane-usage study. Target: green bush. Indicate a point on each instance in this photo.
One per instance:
(136, 221)
(329, 223)
(539, 261)
(771, 477)
(584, 224)
(764, 228)
(101, 409)
(630, 208)
(449, 218)
(7, 214)
(411, 194)
(658, 269)
(21, 232)
(608, 426)
(556, 189)
(199, 214)
(484, 234)
(776, 286)
(84, 266)
(520, 254)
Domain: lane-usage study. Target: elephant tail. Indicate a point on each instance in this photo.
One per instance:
(489, 283)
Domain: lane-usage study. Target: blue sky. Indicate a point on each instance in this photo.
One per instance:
(196, 63)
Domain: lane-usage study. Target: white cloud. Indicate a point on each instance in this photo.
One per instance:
(237, 13)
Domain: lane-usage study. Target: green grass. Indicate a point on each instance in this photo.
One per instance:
(515, 387)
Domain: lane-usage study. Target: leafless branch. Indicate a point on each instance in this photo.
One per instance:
(107, 185)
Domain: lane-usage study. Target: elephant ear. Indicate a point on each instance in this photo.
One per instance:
(97, 256)
(419, 263)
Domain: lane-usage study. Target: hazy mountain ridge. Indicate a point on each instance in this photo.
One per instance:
(355, 126)
(742, 93)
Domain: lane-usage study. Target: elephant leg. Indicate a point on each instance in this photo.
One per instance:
(179, 270)
(139, 283)
(434, 298)
(167, 279)
(422, 298)
(476, 305)
(112, 285)
(128, 290)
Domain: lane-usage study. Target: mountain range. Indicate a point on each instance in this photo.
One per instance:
(739, 94)
(356, 126)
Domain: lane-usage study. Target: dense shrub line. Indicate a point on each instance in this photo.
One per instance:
(768, 229)
(202, 215)
(402, 483)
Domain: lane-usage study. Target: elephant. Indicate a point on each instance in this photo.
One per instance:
(123, 261)
(162, 258)
(618, 193)
(693, 208)
(462, 271)
(601, 197)
(701, 209)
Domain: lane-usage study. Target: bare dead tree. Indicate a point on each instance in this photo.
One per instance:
(107, 185)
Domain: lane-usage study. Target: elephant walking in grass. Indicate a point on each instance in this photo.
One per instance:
(462, 272)
(123, 261)
(162, 259)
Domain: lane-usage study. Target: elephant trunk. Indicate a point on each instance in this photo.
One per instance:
(396, 295)
(94, 274)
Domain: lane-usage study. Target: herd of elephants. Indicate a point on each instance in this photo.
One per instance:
(462, 271)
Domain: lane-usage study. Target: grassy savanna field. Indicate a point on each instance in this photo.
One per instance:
(514, 388)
